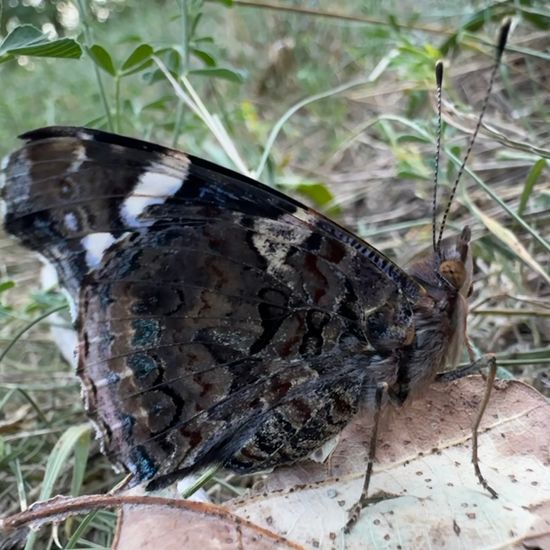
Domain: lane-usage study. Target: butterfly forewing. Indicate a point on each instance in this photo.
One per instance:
(219, 320)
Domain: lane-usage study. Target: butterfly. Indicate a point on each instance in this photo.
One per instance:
(220, 321)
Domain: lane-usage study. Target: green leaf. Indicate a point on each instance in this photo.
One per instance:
(195, 24)
(539, 20)
(158, 104)
(101, 57)
(22, 37)
(318, 193)
(28, 40)
(65, 48)
(394, 23)
(204, 40)
(228, 3)
(139, 68)
(81, 455)
(205, 57)
(138, 58)
(6, 285)
(45, 299)
(408, 138)
(70, 440)
(532, 178)
(172, 58)
(476, 22)
(130, 38)
(407, 173)
(217, 72)
(449, 44)
(81, 529)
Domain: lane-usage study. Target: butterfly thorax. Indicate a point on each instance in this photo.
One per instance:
(439, 315)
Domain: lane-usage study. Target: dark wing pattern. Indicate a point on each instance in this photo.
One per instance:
(219, 320)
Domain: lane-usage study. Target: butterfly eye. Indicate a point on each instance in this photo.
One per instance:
(453, 272)
(470, 291)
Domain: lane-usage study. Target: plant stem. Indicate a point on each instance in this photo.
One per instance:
(185, 34)
(117, 103)
(180, 111)
(27, 327)
(88, 41)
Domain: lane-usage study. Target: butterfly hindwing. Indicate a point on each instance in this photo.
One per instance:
(218, 319)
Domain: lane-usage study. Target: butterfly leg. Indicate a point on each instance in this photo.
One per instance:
(472, 368)
(492, 364)
(487, 360)
(354, 513)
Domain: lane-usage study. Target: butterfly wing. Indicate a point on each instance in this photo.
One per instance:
(219, 320)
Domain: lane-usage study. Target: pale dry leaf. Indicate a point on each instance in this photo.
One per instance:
(509, 239)
(173, 525)
(15, 419)
(425, 493)
(149, 523)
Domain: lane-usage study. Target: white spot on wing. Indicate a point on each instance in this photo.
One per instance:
(274, 245)
(275, 253)
(304, 215)
(79, 158)
(152, 188)
(70, 222)
(19, 170)
(95, 245)
(85, 135)
(4, 163)
(3, 205)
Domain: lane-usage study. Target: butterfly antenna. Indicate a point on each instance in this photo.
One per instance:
(503, 36)
(439, 82)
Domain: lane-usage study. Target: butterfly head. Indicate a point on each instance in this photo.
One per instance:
(449, 268)
(455, 262)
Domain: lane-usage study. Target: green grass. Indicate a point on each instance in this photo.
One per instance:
(364, 154)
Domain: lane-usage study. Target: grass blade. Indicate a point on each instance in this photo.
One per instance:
(532, 178)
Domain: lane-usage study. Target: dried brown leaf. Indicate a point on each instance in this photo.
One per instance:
(195, 526)
(424, 490)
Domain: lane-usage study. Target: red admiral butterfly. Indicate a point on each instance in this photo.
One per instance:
(220, 321)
